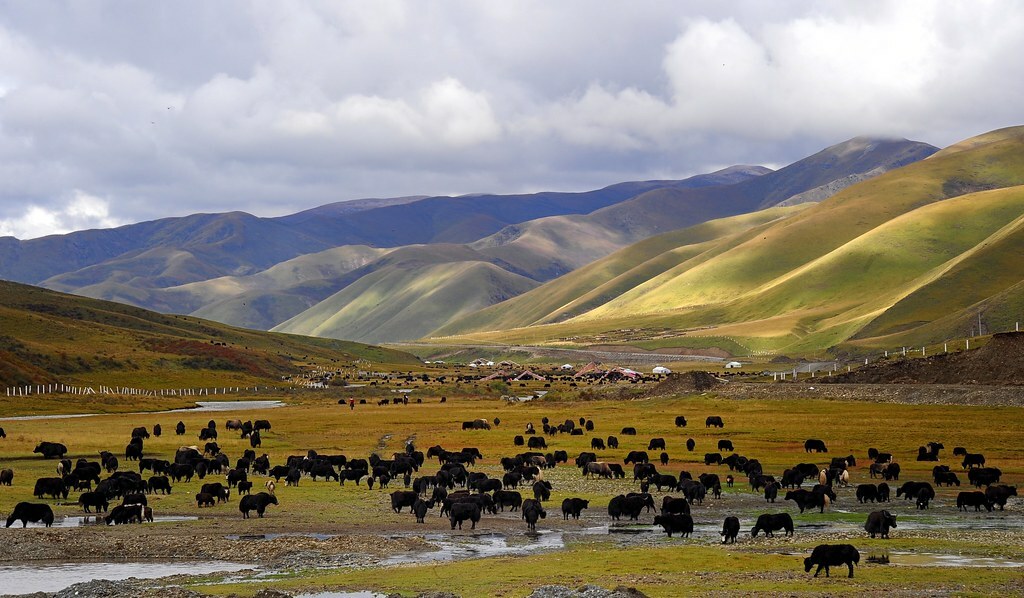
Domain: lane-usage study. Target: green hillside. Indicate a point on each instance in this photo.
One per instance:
(605, 279)
(49, 336)
(870, 262)
(407, 300)
(265, 299)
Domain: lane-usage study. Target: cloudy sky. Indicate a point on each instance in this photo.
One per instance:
(116, 112)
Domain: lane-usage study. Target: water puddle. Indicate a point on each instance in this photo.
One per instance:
(228, 406)
(258, 537)
(478, 546)
(931, 559)
(973, 521)
(201, 406)
(86, 520)
(26, 579)
(622, 529)
(342, 595)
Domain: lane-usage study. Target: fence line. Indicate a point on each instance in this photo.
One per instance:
(61, 388)
(833, 366)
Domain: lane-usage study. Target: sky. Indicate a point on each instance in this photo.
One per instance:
(116, 112)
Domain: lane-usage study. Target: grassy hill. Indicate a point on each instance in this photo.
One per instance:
(49, 336)
(408, 300)
(603, 280)
(267, 298)
(894, 258)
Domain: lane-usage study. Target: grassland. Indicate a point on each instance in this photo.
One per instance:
(771, 430)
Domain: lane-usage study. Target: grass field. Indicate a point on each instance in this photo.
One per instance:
(771, 430)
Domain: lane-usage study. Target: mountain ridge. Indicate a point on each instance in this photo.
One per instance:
(799, 285)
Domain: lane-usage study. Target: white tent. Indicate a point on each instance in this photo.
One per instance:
(733, 365)
(566, 366)
(661, 370)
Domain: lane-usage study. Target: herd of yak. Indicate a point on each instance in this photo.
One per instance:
(465, 496)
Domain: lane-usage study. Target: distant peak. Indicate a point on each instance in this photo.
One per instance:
(863, 144)
(752, 169)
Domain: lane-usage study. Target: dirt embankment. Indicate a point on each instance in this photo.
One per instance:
(281, 551)
(999, 363)
(685, 382)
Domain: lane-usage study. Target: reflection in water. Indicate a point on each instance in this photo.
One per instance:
(342, 595)
(84, 520)
(454, 548)
(932, 559)
(26, 579)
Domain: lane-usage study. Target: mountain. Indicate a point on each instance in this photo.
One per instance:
(467, 218)
(601, 281)
(49, 336)
(409, 298)
(575, 240)
(907, 255)
(548, 248)
(176, 251)
(267, 273)
(265, 299)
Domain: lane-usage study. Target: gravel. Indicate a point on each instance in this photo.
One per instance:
(587, 591)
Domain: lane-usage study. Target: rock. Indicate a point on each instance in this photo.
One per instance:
(587, 591)
(101, 588)
(268, 593)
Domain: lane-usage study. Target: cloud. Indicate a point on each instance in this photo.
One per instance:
(899, 69)
(271, 108)
(82, 211)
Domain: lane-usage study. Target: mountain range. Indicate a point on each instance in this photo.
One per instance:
(382, 270)
(910, 257)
